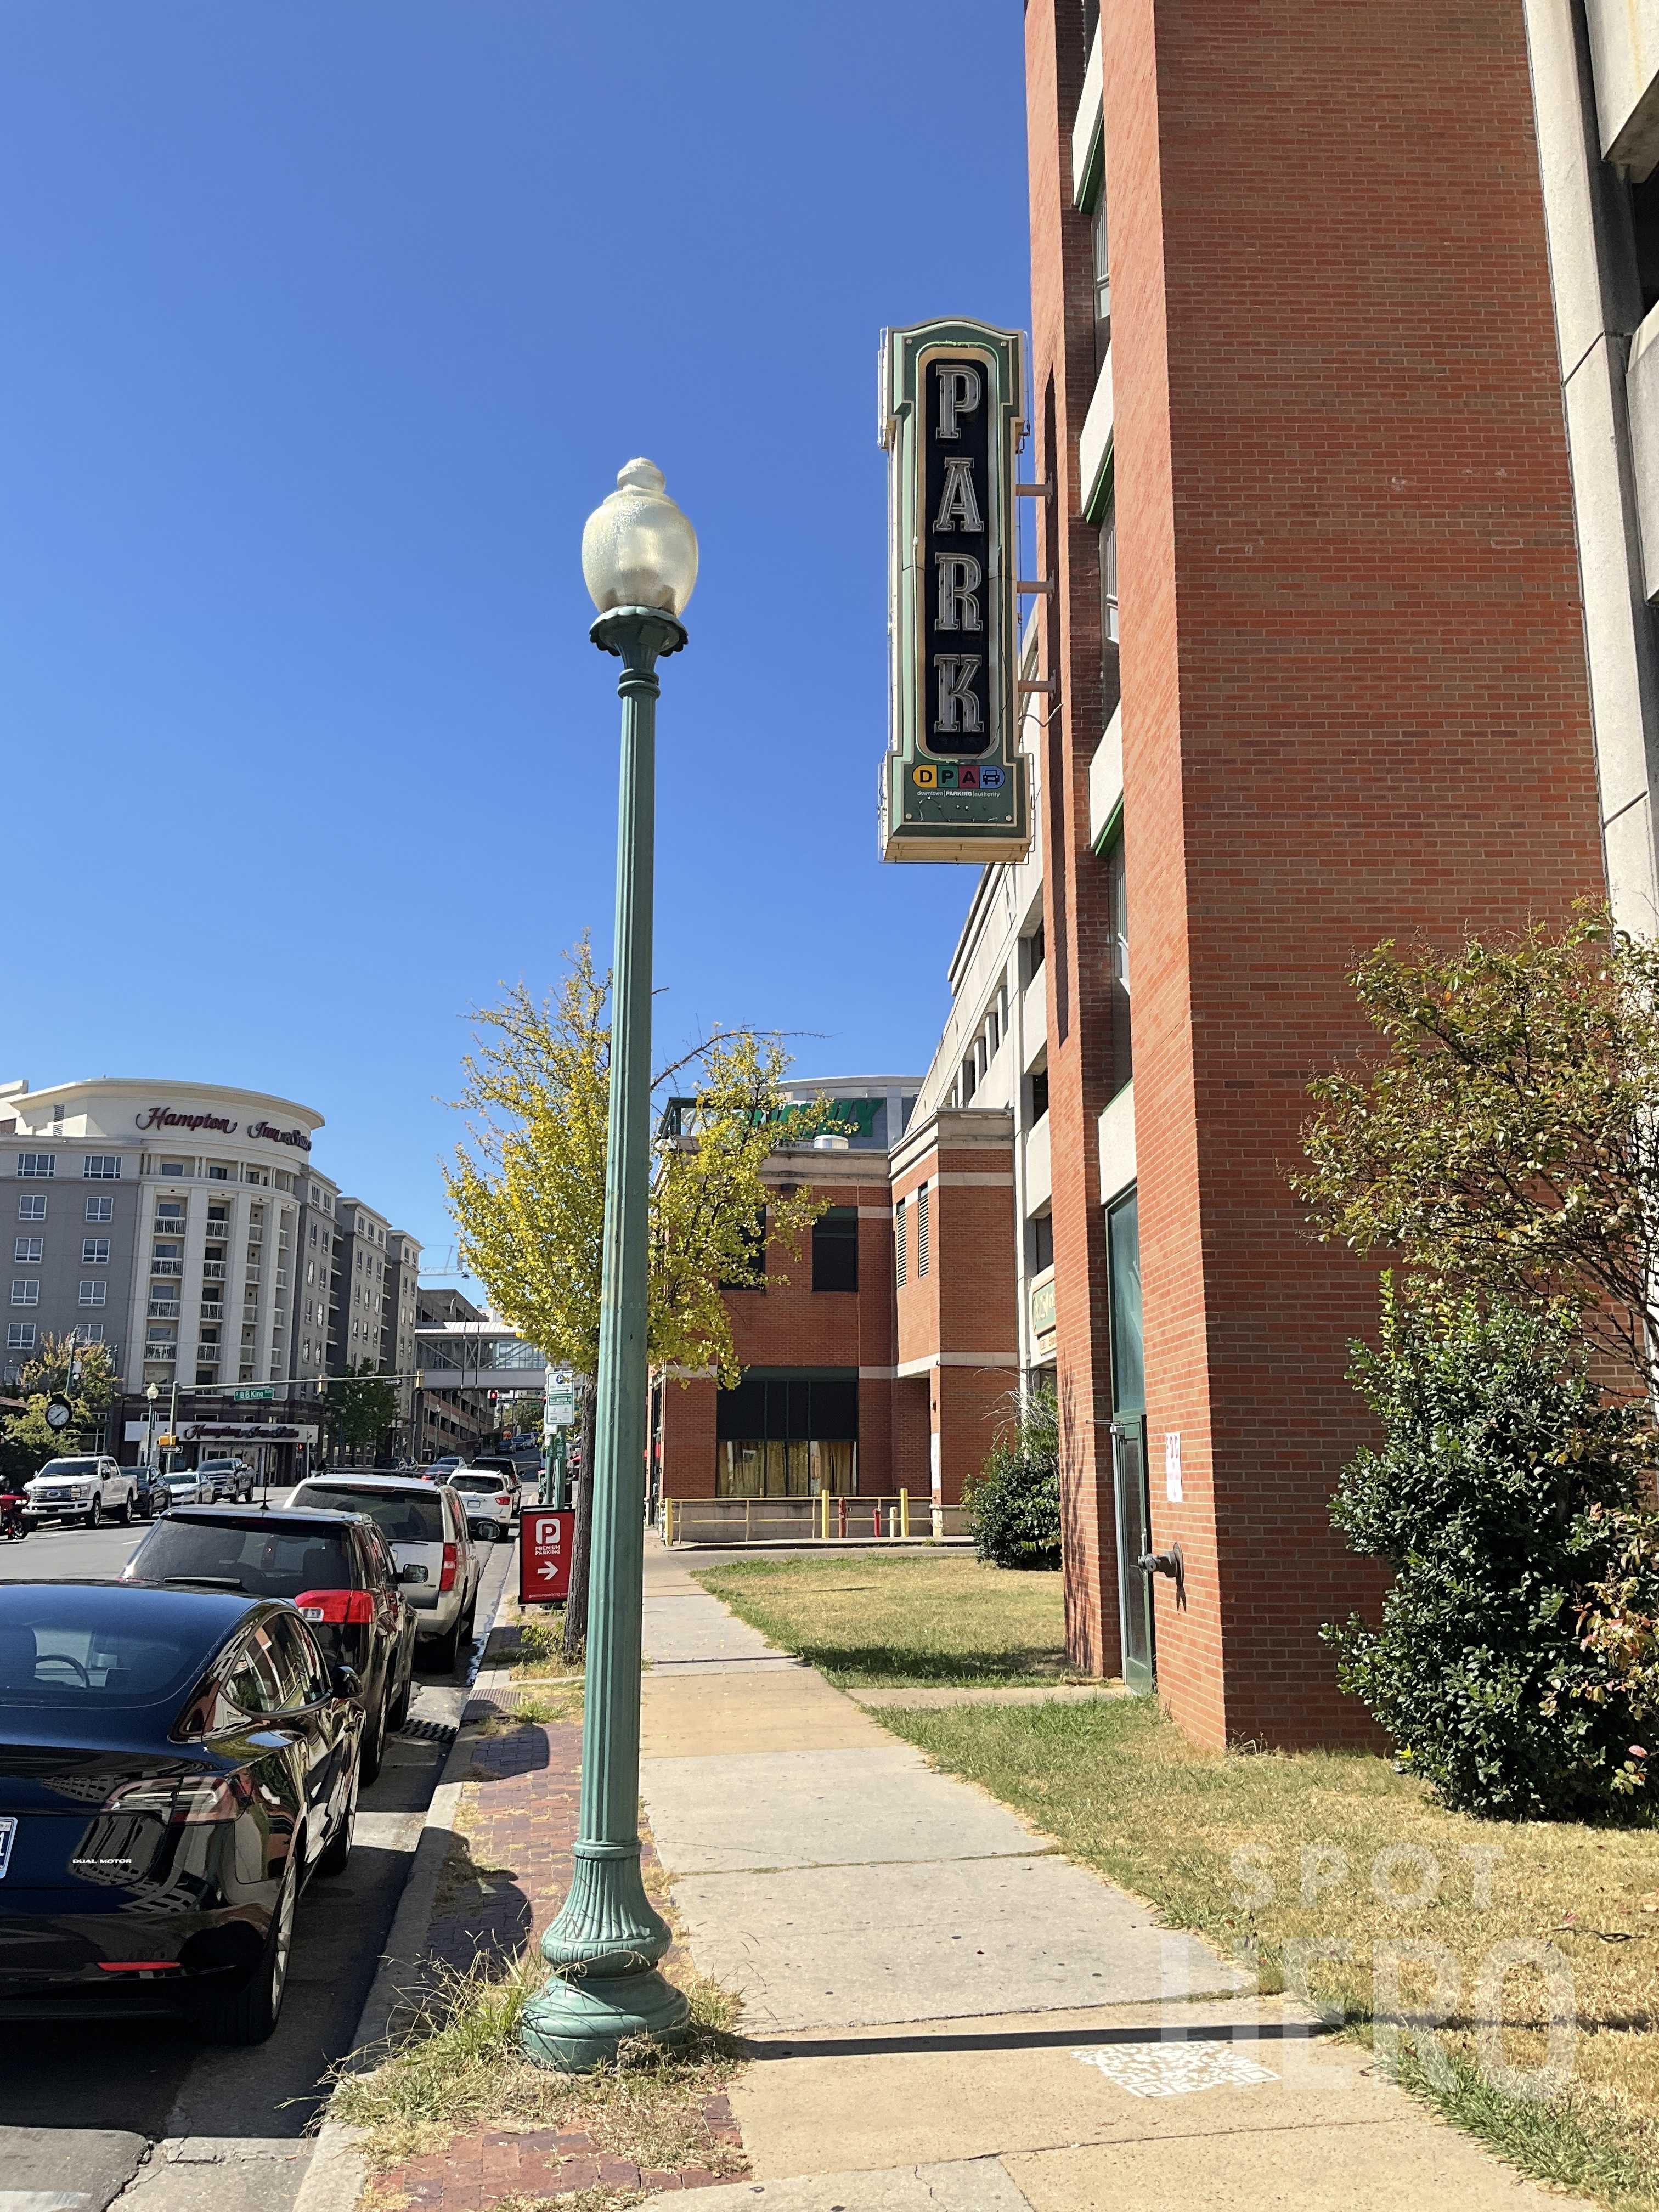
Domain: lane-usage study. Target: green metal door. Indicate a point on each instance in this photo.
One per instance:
(1132, 1498)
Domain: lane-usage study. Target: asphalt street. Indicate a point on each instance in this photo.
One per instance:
(87, 2110)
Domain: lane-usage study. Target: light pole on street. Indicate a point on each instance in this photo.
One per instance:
(640, 562)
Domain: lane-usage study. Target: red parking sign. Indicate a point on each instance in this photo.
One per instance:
(545, 1535)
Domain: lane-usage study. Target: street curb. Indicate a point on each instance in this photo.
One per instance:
(335, 2179)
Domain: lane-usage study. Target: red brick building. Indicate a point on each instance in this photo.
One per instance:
(1320, 680)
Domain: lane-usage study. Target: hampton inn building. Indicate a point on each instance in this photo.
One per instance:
(183, 1225)
(1336, 624)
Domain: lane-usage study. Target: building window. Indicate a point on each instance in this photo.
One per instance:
(102, 1167)
(835, 1249)
(1103, 277)
(87, 1331)
(924, 1238)
(29, 1251)
(100, 1209)
(32, 1205)
(94, 1294)
(19, 1336)
(95, 1251)
(1118, 942)
(1034, 951)
(37, 1163)
(1109, 594)
(970, 1083)
(792, 1436)
(217, 1172)
(754, 1255)
(175, 1168)
(1041, 1227)
(901, 1256)
(1039, 1082)
(25, 1292)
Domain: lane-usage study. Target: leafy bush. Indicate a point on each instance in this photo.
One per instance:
(1500, 1497)
(1013, 1508)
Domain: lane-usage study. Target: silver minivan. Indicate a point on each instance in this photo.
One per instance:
(425, 1524)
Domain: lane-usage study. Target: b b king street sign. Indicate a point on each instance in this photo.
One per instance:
(954, 784)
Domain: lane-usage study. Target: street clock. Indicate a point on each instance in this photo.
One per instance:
(59, 1412)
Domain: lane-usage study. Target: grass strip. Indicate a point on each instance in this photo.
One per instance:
(453, 2065)
(942, 1618)
(1265, 1854)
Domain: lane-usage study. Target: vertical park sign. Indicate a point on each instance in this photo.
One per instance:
(954, 783)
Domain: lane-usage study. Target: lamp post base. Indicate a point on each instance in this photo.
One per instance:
(578, 2022)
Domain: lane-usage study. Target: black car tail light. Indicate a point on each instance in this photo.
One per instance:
(190, 1802)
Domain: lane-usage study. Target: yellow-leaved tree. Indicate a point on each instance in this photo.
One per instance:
(527, 1190)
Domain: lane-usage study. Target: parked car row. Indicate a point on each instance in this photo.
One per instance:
(181, 1751)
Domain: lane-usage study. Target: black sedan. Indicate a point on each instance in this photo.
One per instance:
(334, 1566)
(175, 1766)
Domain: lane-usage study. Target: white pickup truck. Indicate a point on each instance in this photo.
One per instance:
(85, 1488)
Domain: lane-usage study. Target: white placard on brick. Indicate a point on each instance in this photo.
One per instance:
(1172, 1466)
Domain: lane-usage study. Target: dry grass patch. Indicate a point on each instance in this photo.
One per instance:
(936, 1617)
(1265, 1852)
(454, 2065)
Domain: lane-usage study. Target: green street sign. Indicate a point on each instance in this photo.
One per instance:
(247, 1397)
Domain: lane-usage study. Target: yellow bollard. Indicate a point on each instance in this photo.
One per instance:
(824, 1515)
(904, 1512)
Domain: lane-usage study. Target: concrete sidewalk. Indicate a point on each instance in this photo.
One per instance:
(944, 2013)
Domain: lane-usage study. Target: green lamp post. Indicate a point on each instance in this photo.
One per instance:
(640, 561)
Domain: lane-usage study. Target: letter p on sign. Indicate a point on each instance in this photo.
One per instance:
(544, 1544)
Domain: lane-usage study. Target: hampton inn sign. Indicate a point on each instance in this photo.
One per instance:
(954, 783)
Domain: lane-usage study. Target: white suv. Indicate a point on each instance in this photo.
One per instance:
(425, 1524)
(81, 1489)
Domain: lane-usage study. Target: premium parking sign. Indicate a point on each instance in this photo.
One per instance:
(954, 784)
(545, 1533)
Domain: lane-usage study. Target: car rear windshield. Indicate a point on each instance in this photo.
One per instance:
(60, 1648)
(478, 1483)
(61, 1470)
(403, 1517)
(263, 1560)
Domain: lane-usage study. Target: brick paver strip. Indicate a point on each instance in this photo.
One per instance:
(519, 1811)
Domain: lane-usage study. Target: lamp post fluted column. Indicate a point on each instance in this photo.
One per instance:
(605, 1945)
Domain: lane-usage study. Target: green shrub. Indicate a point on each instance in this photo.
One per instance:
(1013, 1508)
(1496, 1497)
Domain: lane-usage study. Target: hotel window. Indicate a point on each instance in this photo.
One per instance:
(37, 1163)
(1118, 957)
(835, 1249)
(94, 1294)
(95, 1251)
(31, 1206)
(901, 1256)
(19, 1336)
(102, 1167)
(25, 1292)
(175, 1168)
(924, 1240)
(100, 1209)
(87, 1331)
(29, 1251)
(217, 1171)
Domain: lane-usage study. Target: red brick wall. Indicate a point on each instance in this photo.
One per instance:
(789, 1324)
(1353, 707)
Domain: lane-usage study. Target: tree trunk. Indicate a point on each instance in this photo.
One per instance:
(576, 1611)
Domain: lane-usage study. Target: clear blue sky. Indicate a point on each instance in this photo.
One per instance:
(326, 323)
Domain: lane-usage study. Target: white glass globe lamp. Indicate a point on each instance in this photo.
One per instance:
(638, 550)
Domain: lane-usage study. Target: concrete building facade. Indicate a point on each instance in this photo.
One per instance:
(1595, 100)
